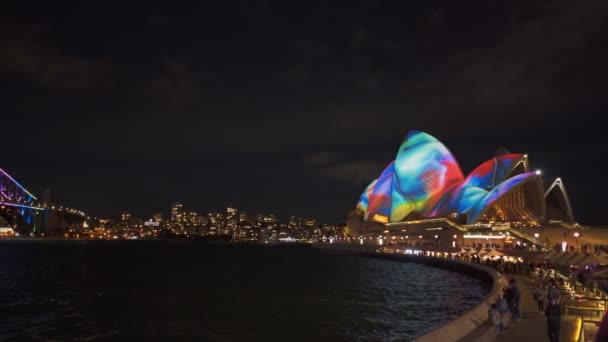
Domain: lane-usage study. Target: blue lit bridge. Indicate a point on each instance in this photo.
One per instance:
(20, 209)
(19, 206)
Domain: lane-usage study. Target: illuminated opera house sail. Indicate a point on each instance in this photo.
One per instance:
(426, 182)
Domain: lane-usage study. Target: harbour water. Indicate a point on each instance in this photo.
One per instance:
(190, 290)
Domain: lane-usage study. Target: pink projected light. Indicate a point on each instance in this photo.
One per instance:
(380, 197)
(426, 180)
(17, 183)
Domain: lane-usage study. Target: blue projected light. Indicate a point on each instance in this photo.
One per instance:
(425, 169)
(426, 179)
(494, 195)
(380, 197)
(364, 199)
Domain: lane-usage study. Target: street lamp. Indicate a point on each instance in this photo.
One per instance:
(576, 235)
(536, 235)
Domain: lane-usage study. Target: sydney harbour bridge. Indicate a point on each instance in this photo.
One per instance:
(26, 214)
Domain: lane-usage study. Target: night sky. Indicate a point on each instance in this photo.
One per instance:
(293, 107)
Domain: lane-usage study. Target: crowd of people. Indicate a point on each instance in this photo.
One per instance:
(546, 295)
(585, 248)
(508, 301)
(502, 265)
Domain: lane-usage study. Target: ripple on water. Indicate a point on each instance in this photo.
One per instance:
(164, 290)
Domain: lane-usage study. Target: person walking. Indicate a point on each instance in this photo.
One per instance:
(501, 304)
(553, 294)
(514, 295)
(495, 319)
(508, 295)
(540, 296)
(553, 314)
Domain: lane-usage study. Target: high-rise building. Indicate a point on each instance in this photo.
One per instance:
(125, 216)
(270, 221)
(242, 217)
(293, 222)
(231, 219)
(158, 217)
(129, 221)
(154, 224)
(272, 218)
(191, 218)
(310, 222)
(216, 224)
(177, 212)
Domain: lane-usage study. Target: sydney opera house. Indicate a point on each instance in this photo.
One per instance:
(425, 184)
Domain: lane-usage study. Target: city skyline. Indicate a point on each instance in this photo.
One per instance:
(293, 107)
(229, 224)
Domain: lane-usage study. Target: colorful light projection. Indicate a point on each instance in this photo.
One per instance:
(425, 178)
(478, 183)
(425, 169)
(20, 206)
(364, 199)
(2, 172)
(400, 206)
(502, 189)
(380, 197)
(470, 196)
(493, 172)
(384, 200)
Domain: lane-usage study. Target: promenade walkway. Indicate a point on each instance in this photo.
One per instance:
(533, 325)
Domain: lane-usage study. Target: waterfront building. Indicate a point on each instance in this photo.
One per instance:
(128, 221)
(216, 223)
(247, 232)
(270, 219)
(7, 232)
(158, 217)
(177, 213)
(243, 217)
(125, 216)
(232, 219)
(191, 218)
(332, 230)
(423, 193)
(310, 222)
(293, 222)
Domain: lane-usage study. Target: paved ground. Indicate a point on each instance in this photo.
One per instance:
(590, 331)
(533, 325)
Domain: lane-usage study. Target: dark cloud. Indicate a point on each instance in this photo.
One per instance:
(30, 58)
(320, 158)
(519, 75)
(357, 173)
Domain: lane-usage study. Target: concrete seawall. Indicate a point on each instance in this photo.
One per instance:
(461, 326)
